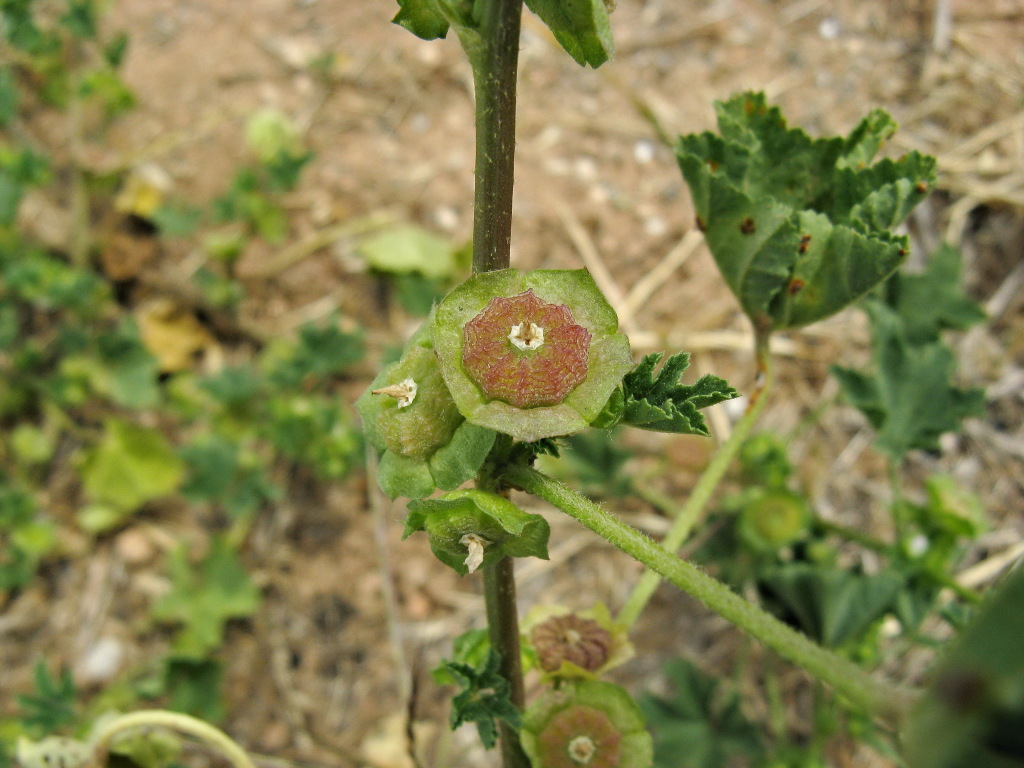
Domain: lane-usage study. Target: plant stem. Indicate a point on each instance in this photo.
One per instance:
(158, 718)
(493, 50)
(899, 513)
(847, 678)
(689, 515)
(503, 629)
(495, 61)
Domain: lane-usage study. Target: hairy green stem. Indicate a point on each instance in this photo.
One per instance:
(691, 512)
(158, 718)
(495, 61)
(847, 678)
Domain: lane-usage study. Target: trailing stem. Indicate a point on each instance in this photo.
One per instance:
(880, 699)
(691, 512)
(175, 721)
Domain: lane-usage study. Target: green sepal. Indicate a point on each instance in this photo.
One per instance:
(553, 708)
(609, 354)
(581, 27)
(799, 227)
(509, 530)
(399, 475)
(462, 458)
(661, 404)
(423, 18)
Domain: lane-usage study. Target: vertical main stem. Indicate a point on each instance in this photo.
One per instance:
(494, 56)
(495, 65)
(503, 629)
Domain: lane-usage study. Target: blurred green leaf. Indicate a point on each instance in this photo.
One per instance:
(176, 221)
(908, 398)
(52, 705)
(698, 727)
(194, 687)
(204, 597)
(417, 294)
(115, 49)
(596, 462)
(408, 248)
(129, 373)
(9, 97)
(80, 19)
(799, 227)
(218, 473)
(934, 300)
(833, 607)
(581, 27)
(319, 353)
(130, 466)
(973, 713)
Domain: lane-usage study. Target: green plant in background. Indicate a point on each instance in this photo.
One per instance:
(800, 228)
(508, 367)
(85, 394)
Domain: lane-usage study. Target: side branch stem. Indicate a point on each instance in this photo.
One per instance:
(847, 678)
(691, 512)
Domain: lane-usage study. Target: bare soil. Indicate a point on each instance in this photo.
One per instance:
(322, 674)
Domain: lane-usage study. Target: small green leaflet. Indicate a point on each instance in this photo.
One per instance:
(204, 597)
(661, 404)
(697, 727)
(484, 698)
(799, 227)
(580, 26)
(933, 300)
(908, 398)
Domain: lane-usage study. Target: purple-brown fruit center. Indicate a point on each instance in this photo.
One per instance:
(560, 743)
(584, 642)
(525, 378)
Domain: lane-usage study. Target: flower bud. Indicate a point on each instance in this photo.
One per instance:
(773, 519)
(409, 415)
(470, 529)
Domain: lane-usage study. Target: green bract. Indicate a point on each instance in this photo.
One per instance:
(409, 416)
(799, 227)
(470, 529)
(532, 355)
(586, 722)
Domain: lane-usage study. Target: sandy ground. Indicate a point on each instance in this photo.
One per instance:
(314, 677)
